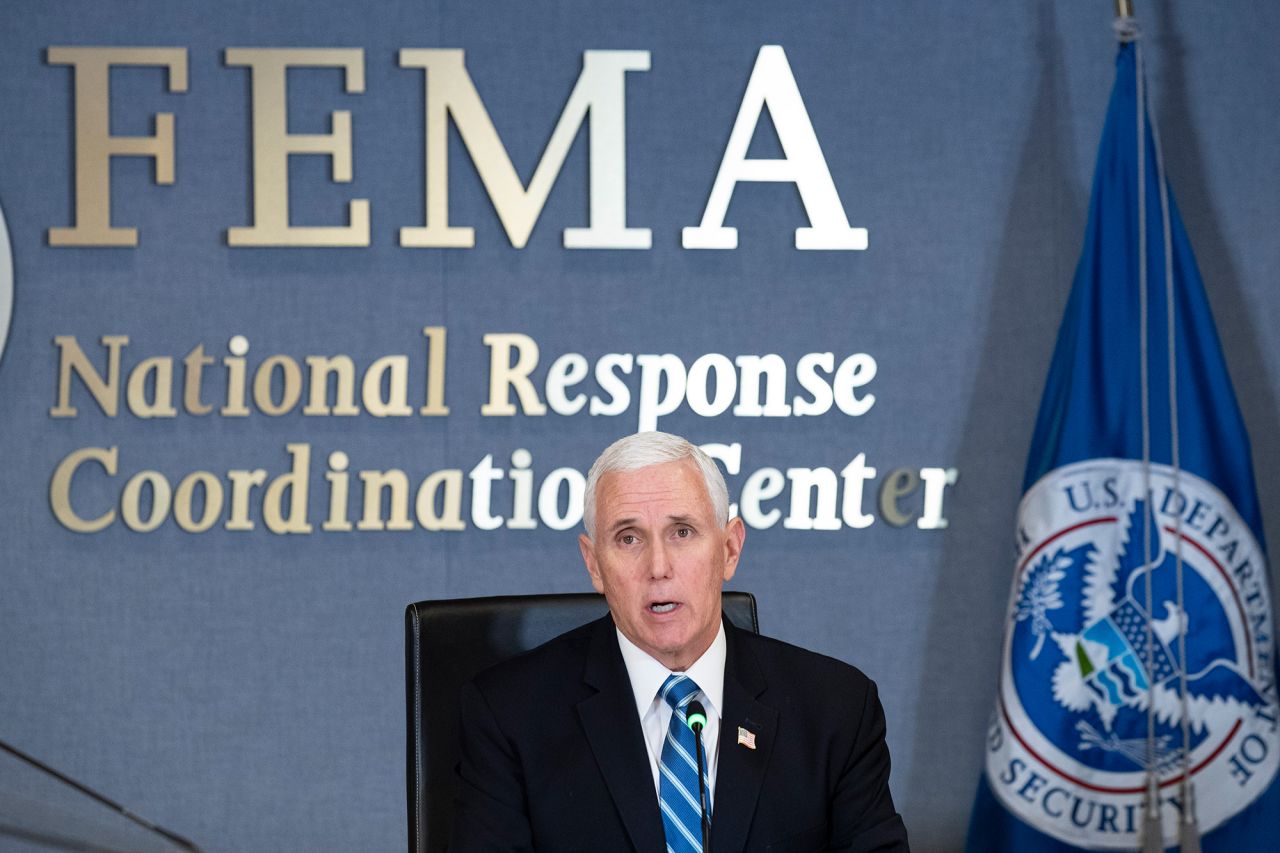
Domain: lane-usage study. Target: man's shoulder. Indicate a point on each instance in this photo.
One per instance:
(802, 669)
(546, 664)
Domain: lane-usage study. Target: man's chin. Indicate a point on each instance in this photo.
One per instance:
(674, 649)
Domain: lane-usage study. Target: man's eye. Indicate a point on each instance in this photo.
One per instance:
(684, 532)
(627, 539)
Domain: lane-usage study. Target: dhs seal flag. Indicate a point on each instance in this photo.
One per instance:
(1137, 704)
(1080, 667)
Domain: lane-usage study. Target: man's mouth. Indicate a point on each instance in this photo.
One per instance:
(663, 606)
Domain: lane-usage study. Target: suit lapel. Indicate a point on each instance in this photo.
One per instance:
(740, 772)
(613, 731)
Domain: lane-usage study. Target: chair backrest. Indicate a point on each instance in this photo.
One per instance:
(449, 642)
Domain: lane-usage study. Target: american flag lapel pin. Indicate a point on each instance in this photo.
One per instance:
(746, 738)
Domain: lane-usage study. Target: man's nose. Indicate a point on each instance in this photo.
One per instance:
(659, 562)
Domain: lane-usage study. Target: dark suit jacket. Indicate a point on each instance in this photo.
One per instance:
(553, 758)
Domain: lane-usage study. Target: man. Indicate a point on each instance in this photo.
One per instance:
(583, 743)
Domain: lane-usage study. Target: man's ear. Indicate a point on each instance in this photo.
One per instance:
(735, 533)
(587, 547)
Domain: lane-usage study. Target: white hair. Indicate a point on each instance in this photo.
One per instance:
(653, 448)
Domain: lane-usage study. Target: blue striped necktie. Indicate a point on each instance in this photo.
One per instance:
(678, 771)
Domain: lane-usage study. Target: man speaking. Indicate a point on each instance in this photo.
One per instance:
(593, 741)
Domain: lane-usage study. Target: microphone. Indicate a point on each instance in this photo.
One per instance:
(695, 716)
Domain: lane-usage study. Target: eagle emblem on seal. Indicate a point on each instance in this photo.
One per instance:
(1117, 655)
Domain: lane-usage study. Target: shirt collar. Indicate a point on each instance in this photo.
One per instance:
(647, 675)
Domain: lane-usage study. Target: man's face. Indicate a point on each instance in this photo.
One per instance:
(661, 557)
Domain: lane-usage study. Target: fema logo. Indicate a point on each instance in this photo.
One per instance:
(6, 284)
(1068, 748)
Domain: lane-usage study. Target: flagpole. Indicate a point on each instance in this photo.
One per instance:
(1188, 829)
(1152, 839)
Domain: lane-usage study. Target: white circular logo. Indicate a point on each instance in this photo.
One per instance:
(6, 283)
(1068, 749)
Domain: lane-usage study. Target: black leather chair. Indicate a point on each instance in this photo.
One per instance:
(446, 644)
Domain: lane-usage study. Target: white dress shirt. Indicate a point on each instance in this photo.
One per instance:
(648, 676)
